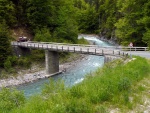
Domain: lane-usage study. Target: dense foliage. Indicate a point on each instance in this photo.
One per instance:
(58, 17)
(62, 20)
(127, 21)
(111, 86)
(5, 48)
(10, 99)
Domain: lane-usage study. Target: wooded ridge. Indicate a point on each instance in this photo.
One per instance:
(62, 21)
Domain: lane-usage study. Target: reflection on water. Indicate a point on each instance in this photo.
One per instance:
(73, 75)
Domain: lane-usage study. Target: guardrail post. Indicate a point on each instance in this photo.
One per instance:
(130, 53)
(74, 49)
(62, 48)
(87, 50)
(81, 50)
(130, 48)
(102, 52)
(95, 51)
(68, 48)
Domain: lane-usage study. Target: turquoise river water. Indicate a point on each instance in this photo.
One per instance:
(73, 75)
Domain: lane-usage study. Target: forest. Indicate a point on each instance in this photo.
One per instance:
(124, 21)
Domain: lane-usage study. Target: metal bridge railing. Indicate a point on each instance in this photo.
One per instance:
(133, 48)
(78, 48)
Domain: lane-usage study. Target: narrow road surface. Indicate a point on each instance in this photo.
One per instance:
(145, 54)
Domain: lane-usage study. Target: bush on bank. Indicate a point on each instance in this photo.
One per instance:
(112, 83)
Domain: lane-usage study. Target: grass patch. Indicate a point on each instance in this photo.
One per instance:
(116, 87)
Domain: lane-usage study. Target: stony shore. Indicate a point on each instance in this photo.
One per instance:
(27, 76)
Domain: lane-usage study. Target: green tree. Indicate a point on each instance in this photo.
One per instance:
(87, 17)
(7, 65)
(145, 22)
(88, 20)
(108, 16)
(7, 12)
(58, 16)
(129, 28)
(20, 11)
(146, 37)
(43, 35)
(39, 13)
(10, 99)
(67, 30)
(5, 48)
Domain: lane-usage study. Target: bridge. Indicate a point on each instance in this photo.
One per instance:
(52, 51)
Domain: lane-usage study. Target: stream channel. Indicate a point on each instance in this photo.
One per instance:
(73, 75)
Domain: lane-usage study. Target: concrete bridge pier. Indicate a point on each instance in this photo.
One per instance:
(51, 61)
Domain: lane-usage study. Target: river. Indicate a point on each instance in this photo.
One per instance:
(73, 75)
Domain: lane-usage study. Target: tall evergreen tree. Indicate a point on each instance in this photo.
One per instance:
(38, 13)
(86, 16)
(66, 22)
(5, 48)
(7, 12)
(145, 22)
(20, 11)
(129, 29)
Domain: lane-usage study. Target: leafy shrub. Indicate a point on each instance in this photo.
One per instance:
(124, 84)
(82, 41)
(10, 99)
(38, 55)
(5, 47)
(76, 92)
(24, 62)
(10, 61)
(43, 35)
(13, 60)
(78, 106)
(7, 65)
(101, 109)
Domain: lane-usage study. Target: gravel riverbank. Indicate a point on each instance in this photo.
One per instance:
(27, 76)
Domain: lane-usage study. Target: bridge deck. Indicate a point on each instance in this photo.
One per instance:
(76, 48)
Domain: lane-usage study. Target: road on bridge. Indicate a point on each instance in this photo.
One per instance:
(86, 49)
(76, 48)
